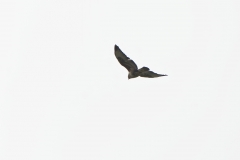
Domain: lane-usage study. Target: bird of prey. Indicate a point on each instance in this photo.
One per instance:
(132, 67)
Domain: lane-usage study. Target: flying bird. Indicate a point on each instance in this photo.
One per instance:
(131, 66)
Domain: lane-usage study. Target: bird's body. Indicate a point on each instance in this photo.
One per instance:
(133, 74)
(132, 67)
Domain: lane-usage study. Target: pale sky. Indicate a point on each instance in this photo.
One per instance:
(64, 96)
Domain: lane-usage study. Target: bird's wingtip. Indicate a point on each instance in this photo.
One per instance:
(160, 75)
(116, 47)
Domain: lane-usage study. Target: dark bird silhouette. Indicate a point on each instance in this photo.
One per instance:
(132, 67)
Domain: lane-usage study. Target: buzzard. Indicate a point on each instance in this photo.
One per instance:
(132, 67)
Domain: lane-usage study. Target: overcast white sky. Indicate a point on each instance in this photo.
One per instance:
(64, 96)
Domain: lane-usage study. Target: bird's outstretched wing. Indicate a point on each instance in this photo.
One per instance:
(151, 74)
(124, 60)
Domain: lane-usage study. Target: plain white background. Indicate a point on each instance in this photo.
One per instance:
(64, 96)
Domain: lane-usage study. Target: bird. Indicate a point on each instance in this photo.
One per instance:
(131, 66)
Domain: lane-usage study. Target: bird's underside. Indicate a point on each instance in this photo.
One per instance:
(132, 67)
